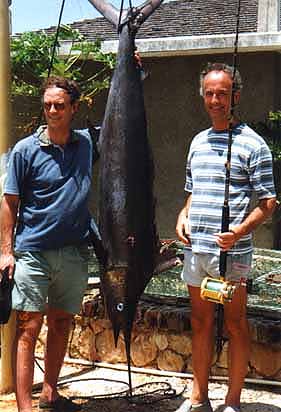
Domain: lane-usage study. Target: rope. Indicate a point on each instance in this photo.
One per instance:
(143, 394)
(120, 17)
(131, 8)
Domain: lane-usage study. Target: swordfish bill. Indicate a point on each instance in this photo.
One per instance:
(127, 205)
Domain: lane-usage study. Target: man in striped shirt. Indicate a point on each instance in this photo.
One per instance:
(199, 226)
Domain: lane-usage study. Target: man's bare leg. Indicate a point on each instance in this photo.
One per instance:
(28, 328)
(202, 322)
(59, 323)
(239, 344)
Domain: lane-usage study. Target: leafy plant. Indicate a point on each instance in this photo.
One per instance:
(271, 131)
(31, 55)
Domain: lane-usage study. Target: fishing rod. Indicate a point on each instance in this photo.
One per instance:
(219, 290)
(51, 63)
(55, 44)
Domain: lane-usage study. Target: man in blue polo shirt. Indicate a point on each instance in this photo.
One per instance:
(199, 225)
(44, 228)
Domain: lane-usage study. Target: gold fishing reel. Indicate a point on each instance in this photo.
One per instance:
(216, 290)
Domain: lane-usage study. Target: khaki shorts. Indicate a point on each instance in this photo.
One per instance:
(199, 265)
(57, 278)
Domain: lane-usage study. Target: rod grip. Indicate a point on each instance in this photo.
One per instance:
(225, 218)
(224, 228)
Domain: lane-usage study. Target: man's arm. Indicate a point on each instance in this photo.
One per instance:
(258, 215)
(182, 229)
(8, 218)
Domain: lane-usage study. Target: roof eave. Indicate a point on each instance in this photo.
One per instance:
(194, 45)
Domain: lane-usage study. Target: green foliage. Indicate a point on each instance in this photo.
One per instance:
(271, 132)
(31, 55)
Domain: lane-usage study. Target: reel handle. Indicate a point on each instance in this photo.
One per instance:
(216, 290)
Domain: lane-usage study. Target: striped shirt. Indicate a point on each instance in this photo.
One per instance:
(251, 172)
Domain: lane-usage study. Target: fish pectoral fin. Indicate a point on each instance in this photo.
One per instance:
(167, 258)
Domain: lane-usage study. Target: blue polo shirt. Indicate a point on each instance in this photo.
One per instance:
(53, 183)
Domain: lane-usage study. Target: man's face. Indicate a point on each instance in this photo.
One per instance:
(217, 86)
(58, 109)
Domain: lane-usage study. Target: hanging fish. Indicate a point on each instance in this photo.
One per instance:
(127, 216)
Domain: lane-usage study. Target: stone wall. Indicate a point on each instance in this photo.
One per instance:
(161, 339)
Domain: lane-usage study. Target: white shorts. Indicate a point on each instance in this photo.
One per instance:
(199, 265)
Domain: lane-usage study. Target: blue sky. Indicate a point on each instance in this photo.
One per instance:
(37, 14)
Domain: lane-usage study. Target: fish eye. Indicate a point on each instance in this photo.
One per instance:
(120, 307)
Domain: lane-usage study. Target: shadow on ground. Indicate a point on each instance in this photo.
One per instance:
(169, 405)
(255, 407)
(259, 407)
(122, 404)
(83, 386)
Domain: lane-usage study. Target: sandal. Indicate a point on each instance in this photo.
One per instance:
(61, 404)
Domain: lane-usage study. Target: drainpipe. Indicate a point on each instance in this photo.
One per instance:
(7, 331)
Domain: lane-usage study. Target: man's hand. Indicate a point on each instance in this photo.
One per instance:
(182, 226)
(7, 261)
(182, 229)
(258, 215)
(8, 214)
(226, 240)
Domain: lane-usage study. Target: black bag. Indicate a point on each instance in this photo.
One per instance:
(6, 286)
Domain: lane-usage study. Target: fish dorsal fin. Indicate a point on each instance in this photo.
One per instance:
(112, 14)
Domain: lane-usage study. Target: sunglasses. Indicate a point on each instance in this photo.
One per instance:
(58, 106)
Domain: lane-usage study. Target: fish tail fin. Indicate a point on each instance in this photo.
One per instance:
(107, 10)
(148, 7)
(112, 14)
